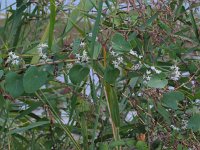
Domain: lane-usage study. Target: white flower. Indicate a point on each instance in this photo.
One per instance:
(197, 101)
(13, 58)
(148, 72)
(184, 124)
(153, 68)
(130, 116)
(150, 106)
(156, 70)
(140, 56)
(185, 74)
(15, 62)
(117, 62)
(83, 58)
(137, 66)
(42, 45)
(43, 55)
(175, 74)
(82, 44)
(90, 34)
(139, 94)
(134, 53)
(114, 53)
(174, 128)
(69, 66)
(148, 78)
(171, 88)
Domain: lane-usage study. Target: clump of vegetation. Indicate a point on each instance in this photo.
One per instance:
(100, 75)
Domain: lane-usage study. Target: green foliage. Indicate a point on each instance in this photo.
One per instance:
(78, 73)
(99, 75)
(14, 84)
(33, 79)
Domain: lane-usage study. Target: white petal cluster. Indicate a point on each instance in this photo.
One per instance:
(117, 62)
(82, 44)
(82, 58)
(114, 53)
(137, 66)
(40, 49)
(155, 70)
(171, 88)
(130, 116)
(147, 76)
(184, 124)
(134, 53)
(13, 58)
(175, 128)
(175, 74)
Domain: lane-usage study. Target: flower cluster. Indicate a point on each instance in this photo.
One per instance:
(175, 74)
(42, 55)
(155, 70)
(134, 53)
(137, 66)
(130, 116)
(147, 76)
(82, 58)
(13, 58)
(117, 62)
(175, 128)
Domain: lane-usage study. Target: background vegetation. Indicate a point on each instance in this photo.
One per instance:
(100, 75)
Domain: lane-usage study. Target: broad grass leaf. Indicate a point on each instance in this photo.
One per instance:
(14, 84)
(34, 79)
(31, 126)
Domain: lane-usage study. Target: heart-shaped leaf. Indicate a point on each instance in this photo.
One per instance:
(171, 99)
(34, 79)
(14, 84)
(194, 122)
(78, 73)
(120, 44)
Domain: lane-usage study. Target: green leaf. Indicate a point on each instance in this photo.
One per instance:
(76, 45)
(171, 99)
(113, 104)
(14, 84)
(31, 126)
(52, 22)
(111, 74)
(133, 81)
(156, 82)
(120, 44)
(152, 18)
(34, 79)
(97, 50)
(78, 73)
(103, 146)
(164, 113)
(194, 122)
(94, 50)
(1, 73)
(140, 145)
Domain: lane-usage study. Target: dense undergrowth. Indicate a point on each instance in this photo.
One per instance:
(100, 75)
